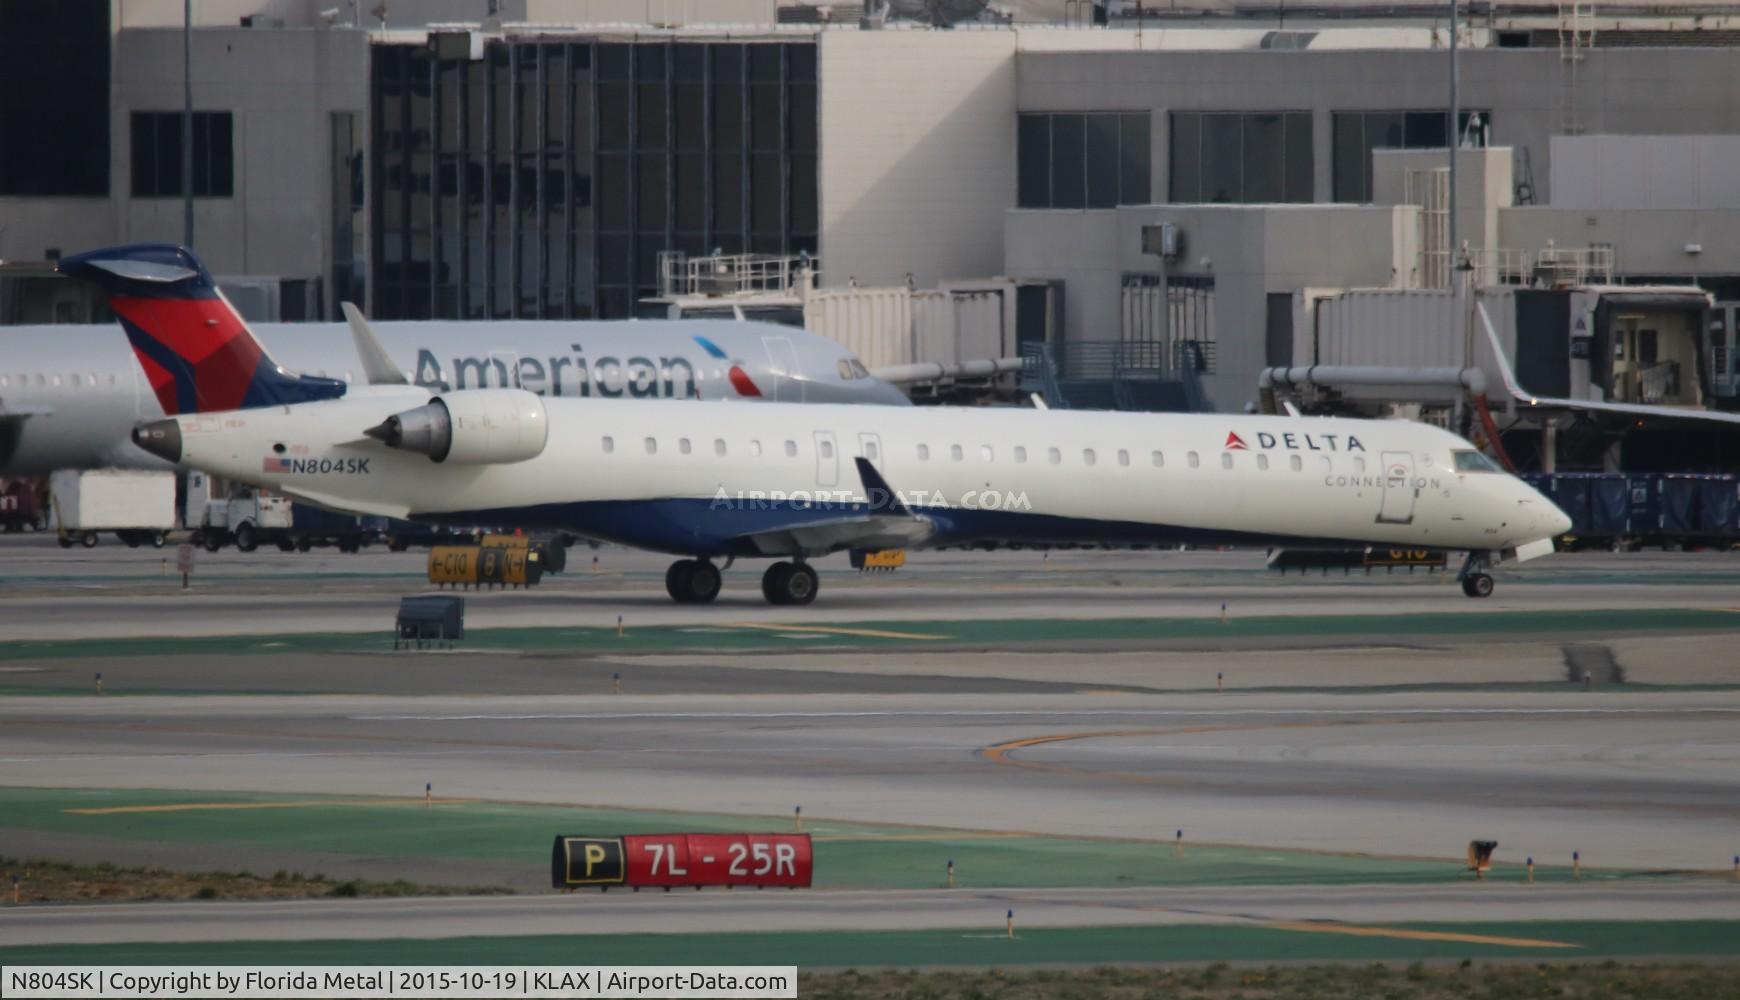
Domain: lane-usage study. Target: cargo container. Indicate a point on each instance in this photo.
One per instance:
(20, 507)
(139, 507)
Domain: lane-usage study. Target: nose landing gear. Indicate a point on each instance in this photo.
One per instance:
(1476, 582)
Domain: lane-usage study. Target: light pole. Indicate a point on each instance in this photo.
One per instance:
(187, 124)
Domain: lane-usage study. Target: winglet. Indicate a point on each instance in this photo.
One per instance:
(375, 363)
(882, 497)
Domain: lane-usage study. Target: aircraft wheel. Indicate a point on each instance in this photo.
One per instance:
(701, 583)
(1477, 585)
(789, 583)
(675, 579)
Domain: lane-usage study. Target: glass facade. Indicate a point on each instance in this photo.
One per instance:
(544, 180)
(54, 98)
(1098, 160)
(156, 154)
(1357, 133)
(1241, 157)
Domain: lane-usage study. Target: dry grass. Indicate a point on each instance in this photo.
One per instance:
(1314, 982)
(55, 882)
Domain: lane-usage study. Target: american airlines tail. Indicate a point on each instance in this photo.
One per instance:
(198, 354)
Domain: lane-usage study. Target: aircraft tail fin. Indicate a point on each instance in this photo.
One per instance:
(197, 352)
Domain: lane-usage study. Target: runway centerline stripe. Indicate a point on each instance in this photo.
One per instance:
(872, 633)
(1357, 930)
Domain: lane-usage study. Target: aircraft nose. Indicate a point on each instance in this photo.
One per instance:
(1559, 520)
(161, 438)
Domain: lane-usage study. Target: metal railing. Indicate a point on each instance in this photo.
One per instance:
(735, 274)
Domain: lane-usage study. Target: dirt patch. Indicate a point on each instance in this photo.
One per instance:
(55, 882)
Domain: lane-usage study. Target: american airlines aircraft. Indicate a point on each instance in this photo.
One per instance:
(71, 395)
(709, 480)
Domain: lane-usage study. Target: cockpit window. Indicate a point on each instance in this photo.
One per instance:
(1473, 461)
(845, 370)
(858, 369)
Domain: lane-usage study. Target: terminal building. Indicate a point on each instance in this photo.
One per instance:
(551, 159)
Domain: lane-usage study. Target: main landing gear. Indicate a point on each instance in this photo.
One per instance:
(1476, 582)
(789, 583)
(692, 581)
(696, 581)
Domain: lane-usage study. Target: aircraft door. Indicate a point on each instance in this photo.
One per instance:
(782, 364)
(1399, 491)
(827, 460)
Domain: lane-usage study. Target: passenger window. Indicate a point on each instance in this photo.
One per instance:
(719, 447)
(683, 445)
(924, 453)
(827, 449)
(1020, 455)
(3, 381)
(986, 454)
(609, 444)
(1263, 462)
(755, 449)
(1055, 456)
(1159, 460)
(1123, 457)
(955, 452)
(1087, 456)
(791, 449)
(1226, 459)
(1296, 463)
(57, 381)
(652, 446)
(1192, 461)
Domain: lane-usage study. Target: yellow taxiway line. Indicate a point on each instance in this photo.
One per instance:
(1357, 930)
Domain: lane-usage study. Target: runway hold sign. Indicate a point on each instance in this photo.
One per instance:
(683, 859)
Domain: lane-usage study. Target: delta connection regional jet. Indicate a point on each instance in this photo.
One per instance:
(709, 480)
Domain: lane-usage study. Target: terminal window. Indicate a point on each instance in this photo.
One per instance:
(1097, 160)
(54, 98)
(1241, 157)
(1357, 133)
(156, 157)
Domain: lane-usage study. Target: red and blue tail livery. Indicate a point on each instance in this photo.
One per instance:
(198, 354)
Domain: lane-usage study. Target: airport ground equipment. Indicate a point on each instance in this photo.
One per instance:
(1619, 510)
(247, 521)
(1368, 558)
(878, 560)
(139, 507)
(432, 618)
(552, 555)
(312, 527)
(1480, 856)
(681, 860)
(21, 507)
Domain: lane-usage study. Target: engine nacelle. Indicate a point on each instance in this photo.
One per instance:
(471, 427)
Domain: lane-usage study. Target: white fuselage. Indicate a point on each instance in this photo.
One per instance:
(697, 477)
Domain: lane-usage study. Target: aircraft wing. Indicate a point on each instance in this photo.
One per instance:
(887, 524)
(1524, 398)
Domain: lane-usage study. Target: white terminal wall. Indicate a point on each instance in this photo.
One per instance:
(917, 154)
(1250, 251)
(281, 88)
